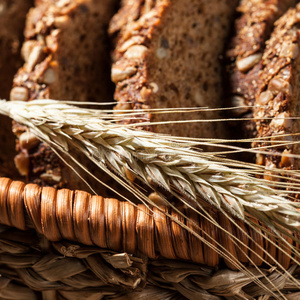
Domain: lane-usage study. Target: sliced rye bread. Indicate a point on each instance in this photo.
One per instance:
(252, 28)
(168, 54)
(66, 52)
(278, 94)
(12, 22)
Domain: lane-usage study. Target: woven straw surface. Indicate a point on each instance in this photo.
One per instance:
(37, 261)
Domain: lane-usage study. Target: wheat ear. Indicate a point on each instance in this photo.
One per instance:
(155, 159)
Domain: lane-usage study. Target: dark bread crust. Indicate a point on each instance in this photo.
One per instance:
(278, 95)
(252, 30)
(12, 22)
(49, 26)
(158, 64)
(66, 54)
(253, 26)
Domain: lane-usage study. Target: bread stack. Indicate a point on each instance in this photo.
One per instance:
(160, 54)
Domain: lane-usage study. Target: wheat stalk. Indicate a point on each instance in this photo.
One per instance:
(155, 159)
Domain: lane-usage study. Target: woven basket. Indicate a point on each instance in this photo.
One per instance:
(63, 244)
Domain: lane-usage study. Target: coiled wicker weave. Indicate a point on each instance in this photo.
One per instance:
(70, 245)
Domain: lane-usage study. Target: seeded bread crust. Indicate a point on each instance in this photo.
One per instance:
(66, 53)
(12, 22)
(278, 94)
(252, 29)
(167, 54)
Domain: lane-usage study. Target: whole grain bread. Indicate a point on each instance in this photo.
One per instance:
(278, 95)
(168, 54)
(12, 22)
(253, 27)
(66, 53)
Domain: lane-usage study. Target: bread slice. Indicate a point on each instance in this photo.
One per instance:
(66, 54)
(168, 54)
(12, 22)
(278, 94)
(252, 29)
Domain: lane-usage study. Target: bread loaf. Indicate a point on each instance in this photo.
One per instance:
(66, 53)
(12, 21)
(168, 54)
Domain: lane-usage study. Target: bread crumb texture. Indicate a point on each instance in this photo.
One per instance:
(169, 54)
